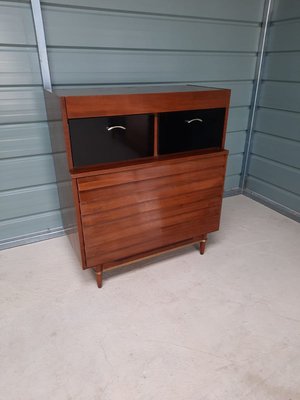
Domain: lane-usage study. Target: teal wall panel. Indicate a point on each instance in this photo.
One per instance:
(238, 119)
(202, 9)
(285, 10)
(19, 66)
(34, 200)
(17, 140)
(16, 24)
(30, 226)
(275, 173)
(274, 166)
(231, 182)
(115, 42)
(111, 42)
(274, 193)
(284, 36)
(22, 104)
(69, 66)
(234, 164)
(27, 171)
(235, 142)
(282, 66)
(104, 29)
(285, 124)
(278, 149)
(280, 95)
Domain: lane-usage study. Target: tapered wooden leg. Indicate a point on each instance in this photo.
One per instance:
(98, 271)
(202, 245)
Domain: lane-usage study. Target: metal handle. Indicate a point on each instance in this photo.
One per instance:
(192, 120)
(110, 128)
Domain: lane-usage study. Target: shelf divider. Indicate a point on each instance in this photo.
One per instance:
(155, 152)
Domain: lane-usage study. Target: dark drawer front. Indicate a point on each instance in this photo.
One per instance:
(109, 139)
(190, 130)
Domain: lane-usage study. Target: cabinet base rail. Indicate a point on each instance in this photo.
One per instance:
(99, 269)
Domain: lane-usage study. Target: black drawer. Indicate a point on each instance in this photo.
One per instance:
(109, 139)
(190, 130)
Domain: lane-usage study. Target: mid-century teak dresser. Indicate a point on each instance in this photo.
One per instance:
(141, 168)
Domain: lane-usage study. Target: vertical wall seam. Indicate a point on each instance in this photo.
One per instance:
(256, 89)
(41, 43)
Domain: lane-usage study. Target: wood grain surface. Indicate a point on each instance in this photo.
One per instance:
(147, 103)
(127, 213)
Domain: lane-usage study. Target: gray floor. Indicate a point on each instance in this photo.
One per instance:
(225, 325)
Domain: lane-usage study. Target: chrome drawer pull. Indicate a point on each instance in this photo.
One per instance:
(192, 120)
(110, 128)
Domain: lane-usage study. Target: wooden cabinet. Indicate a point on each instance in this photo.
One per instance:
(147, 166)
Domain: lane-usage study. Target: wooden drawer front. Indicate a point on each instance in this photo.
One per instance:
(136, 214)
(190, 130)
(109, 139)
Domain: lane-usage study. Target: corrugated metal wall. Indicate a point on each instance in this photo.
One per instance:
(274, 168)
(28, 195)
(123, 42)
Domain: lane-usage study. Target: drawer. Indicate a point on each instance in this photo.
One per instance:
(190, 130)
(110, 139)
(128, 213)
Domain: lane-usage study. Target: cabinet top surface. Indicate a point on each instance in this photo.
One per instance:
(122, 90)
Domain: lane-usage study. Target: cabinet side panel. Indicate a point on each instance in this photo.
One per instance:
(226, 120)
(63, 178)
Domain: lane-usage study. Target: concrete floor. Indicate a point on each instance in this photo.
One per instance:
(225, 325)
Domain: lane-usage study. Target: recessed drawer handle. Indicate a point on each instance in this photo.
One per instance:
(193, 120)
(110, 128)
